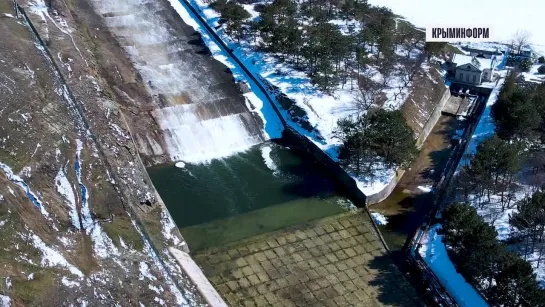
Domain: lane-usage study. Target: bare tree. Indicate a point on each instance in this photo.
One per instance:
(408, 71)
(370, 91)
(520, 39)
(409, 38)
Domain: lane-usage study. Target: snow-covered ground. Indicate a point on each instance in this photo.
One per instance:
(425, 189)
(322, 110)
(485, 130)
(103, 245)
(66, 190)
(492, 211)
(435, 255)
(533, 75)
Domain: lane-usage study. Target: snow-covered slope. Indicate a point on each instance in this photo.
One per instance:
(434, 253)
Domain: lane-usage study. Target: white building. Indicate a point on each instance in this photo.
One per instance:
(471, 70)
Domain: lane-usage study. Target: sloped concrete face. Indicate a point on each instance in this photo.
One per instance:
(198, 107)
(336, 261)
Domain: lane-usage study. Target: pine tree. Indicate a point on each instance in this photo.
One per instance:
(525, 64)
(379, 134)
(504, 277)
(515, 284)
(472, 241)
(233, 15)
(434, 48)
(518, 112)
(492, 168)
(392, 138)
(530, 221)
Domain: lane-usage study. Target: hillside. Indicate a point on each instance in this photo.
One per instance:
(352, 69)
(76, 204)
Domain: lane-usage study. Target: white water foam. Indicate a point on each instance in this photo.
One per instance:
(180, 164)
(194, 140)
(193, 132)
(266, 154)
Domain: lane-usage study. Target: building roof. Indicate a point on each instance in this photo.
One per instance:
(480, 63)
(485, 50)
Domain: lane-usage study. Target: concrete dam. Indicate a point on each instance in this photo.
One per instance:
(201, 113)
(231, 173)
(235, 194)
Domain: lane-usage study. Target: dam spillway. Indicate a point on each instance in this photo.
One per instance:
(235, 183)
(201, 113)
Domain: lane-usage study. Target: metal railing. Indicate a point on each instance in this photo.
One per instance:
(441, 199)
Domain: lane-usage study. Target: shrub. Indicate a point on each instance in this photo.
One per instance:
(541, 60)
(541, 69)
(525, 64)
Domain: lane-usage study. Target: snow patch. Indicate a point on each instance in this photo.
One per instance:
(434, 252)
(5, 301)
(379, 218)
(180, 299)
(69, 283)
(51, 257)
(155, 289)
(168, 227)
(425, 189)
(145, 272)
(160, 301)
(19, 181)
(103, 245)
(65, 189)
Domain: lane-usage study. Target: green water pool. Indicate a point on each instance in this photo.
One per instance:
(263, 189)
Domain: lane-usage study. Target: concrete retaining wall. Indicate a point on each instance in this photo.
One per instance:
(387, 190)
(343, 181)
(422, 136)
(432, 120)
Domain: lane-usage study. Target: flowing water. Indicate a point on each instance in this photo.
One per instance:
(263, 189)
